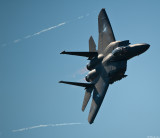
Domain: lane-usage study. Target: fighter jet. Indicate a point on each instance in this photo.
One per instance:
(107, 64)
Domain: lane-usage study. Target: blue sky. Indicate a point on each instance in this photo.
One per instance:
(30, 68)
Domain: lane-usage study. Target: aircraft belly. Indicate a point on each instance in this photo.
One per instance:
(117, 70)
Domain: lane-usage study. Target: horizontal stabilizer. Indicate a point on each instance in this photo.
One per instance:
(86, 85)
(90, 55)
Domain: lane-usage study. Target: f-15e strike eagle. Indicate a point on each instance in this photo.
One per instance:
(107, 64)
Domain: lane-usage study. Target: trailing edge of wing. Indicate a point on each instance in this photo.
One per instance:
(86, 85)
(90, 55)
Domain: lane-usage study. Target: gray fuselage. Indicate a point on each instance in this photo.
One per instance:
(114, 61)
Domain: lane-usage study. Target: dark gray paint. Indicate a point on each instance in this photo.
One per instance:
(107, 64)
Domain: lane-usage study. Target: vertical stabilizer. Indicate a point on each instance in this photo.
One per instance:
(92, 45)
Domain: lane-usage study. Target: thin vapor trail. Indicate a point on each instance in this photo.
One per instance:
(44, 30)
(79, 72)
(48, 125)
(83, 71)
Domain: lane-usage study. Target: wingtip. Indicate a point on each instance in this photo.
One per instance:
(103, 9)
(83, 109)
(63, 52)
(90, 122)
(91, 38)
(102, 12)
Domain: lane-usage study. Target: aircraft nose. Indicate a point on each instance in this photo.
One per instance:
(139, 48)
(145, 46)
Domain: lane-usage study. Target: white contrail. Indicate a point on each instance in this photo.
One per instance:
(28, 36)
(48, 125)
(81, 71)
(45, 30)
(48, 29)
(80, 17)
(16, 41)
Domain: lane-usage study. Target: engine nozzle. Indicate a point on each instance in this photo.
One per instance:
(91, 75)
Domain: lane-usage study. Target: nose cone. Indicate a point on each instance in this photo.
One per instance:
(145, 46)
(140, 48)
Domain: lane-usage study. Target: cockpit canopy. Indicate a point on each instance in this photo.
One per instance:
(119, 51)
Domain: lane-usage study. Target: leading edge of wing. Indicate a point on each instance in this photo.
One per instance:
(99, 92)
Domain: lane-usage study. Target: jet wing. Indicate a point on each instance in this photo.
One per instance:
(106, 35)
(99, 92)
